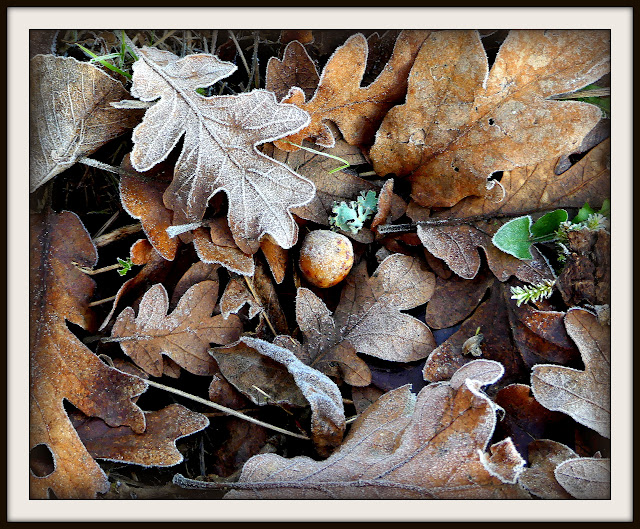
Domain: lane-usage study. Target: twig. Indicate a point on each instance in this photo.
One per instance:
(91, 272)
(107, 224)
(115, 235)
(223, 408)
(100, 165)
(101, 301)
(264, 312)
(244, 61)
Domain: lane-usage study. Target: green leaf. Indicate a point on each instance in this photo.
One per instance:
(606, 208)
(546, 225)
(514, 237)
(583, 214)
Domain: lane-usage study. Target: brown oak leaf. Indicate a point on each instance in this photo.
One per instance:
(368, 319)
(62, 368)
(586, 478)
(219, 150)
(433, 445)
(184, 335)
(195, 274)
(356, 110)
(539, 478)
(215, 244)
(70, 115)
(243, 365)
(235, 296)
(583, 395)
(155, 447)
(526, 190)
(462, 122)
(141, 196)
(295, 69)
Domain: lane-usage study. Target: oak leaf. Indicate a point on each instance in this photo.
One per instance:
(156, 446)
(195, 274)
(526, 190)
(243, 365)
(462, 122)
(368, 319)
(584, 395)
(356, 110)
(70, 114)
(62, 368)
(215, 244)
(235, 296)
(539, 478)
(184, 335)
(295, 69)
(430, 446)
(219, 151)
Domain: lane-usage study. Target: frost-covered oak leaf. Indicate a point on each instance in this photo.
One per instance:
(219, 151)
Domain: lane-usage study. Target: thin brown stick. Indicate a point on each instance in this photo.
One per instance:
(101, 301)
(264, 312)
(116, 235)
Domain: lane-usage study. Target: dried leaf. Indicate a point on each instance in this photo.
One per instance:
(141, 196)
(539, 478)
(267, 295)
(276, 257)
(368, 319)
(463, 122)
(295, 69)
(586, 478)
(70, 115)
(223, 250)
(339, 97)
(401, 447)
(239, 365)
(196, 273)
(184, 335)
(219, 151)
(584, 395)
(62, 368)
(155, 447)
(235, 296)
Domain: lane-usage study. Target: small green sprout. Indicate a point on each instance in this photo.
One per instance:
(125, 266)
(351, 217)
(542, 290)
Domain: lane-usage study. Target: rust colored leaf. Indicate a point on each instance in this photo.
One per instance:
(70, 115)
(196, 273)
(384, 204)
(62, 368)
(219, 151)
(257, 367)
(155, 447)
(430, 446)
(539, 478)
(368, 319)
(462, 122)
(221, 251)
(276, 257)
(184, 335)
(357, 111)
(141, 196)
(586, 478)
(584, 395)
(295, 69)
(305, 36)
(235, 296)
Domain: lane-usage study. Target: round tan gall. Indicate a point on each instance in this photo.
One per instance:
(326, 257)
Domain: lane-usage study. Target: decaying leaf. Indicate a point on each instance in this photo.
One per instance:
(357, 111)
(584, 395)
(277, 258)
(184, 335)
(216, 245)
(430, 446)
(295, 69)
(235, 296)
(196, 273)
(156, 446)
(539, 478)
(219, 151)
(462, 122)
(62, 368)
(526, 190)
(586, 478)
(70, 115)
(368, 319)
(243, 366)
(141, 196)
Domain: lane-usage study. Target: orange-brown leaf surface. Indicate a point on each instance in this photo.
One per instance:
(70, 115)
(219, 149)
(584, 395)
(430, 446)
(156, 446)
(62, 368)
(356, 110)
(184, 335)
(141, 195)
(235, 296)
(462, 122)
(368, 319)
(215, 244)
(526, 190)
